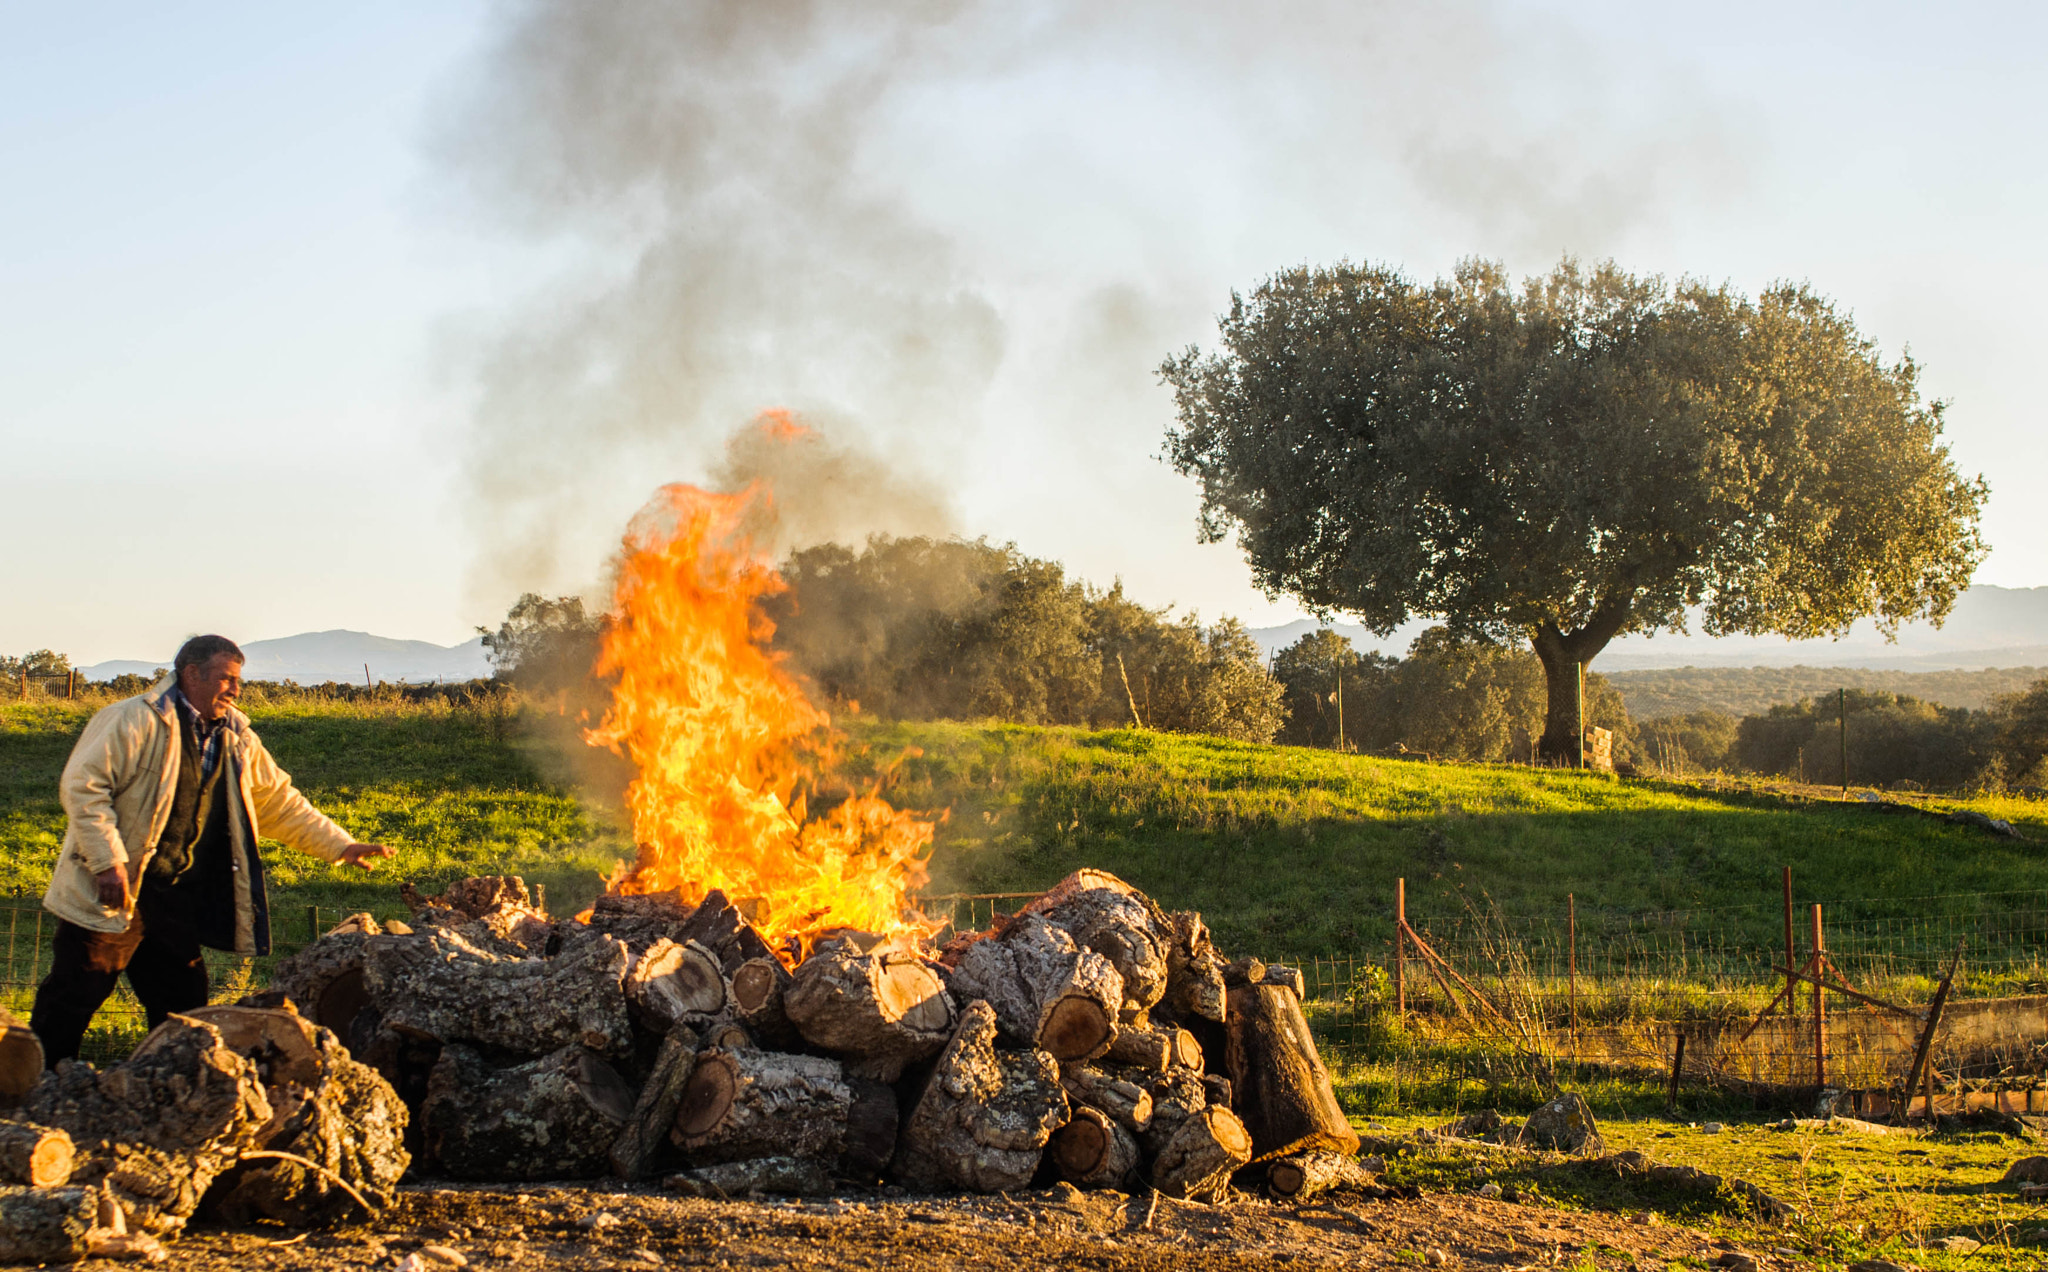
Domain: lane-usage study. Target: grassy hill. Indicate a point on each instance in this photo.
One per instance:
(1743, 691)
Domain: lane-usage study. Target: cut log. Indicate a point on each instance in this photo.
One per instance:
(1125, 1102)
(983, 1117)
(1194, 971)
(745, 1104)
(1047, 991)
(872, 1121)
(1203, 1153)
(325, 980)
(1155, 1047)
(660, 1096)
(757, 989)
(1303, 1176)
(1092, 1151)
(718, 925)
(21, 1059)
(878, 1012)
(1109, 916)
(1286, 977)
(787, 1176)
(1282, 1091)
(556, 1117)
(1245, 971)
(39, 1156)
(672, 981)
(1176, 1096)
(1217, 1087)
(728, 1034)
(437, 986)
(46, 1225)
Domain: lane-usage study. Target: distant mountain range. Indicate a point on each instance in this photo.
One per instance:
(313, 658)
(1990, 627)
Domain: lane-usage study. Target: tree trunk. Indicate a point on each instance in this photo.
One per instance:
(1562, 655)
(551, 1118)
(1047, 991)
(46, 1225)
(1109, 916)
(1092, 1151)
(21, 1059)
(746, 1104)
(1127, 1103)
(1282, 1091)
(757, 989)
(672, 981)
(879, 1012)
(436, 988)
(39, 1156)
(324, 981)
(660, 1096)
(983, 1117)
(788, 1176)
(1204, 1151)
(1303, 1176)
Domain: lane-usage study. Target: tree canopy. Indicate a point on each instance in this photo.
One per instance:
(1590, 454)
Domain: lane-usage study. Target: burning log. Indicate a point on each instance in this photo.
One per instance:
(1092, 1151)
(1047, 992)
(747, 1104)
(1307, 1174)
(673, 981)
(718, 925)
(1110, 917)
(983, 1117)
(21, 1059)
(1201, 1155)
(438, 986)
(660, 1096)
(1282, 1091)
(46, 1225)
(879, 1011)
(39, 1156)
(556, 1117)
(757, 989)
(1142, 1044)
(1125, 1102)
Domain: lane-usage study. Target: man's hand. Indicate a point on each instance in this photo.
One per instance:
(361, 855)
(113, 882)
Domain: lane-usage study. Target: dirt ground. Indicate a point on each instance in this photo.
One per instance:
(577, 1228)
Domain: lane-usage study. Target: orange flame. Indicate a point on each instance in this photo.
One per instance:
(724, 739)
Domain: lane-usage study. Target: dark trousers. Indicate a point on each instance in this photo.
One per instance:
(164, 965)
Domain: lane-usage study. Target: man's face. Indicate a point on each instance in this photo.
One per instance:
(213, 685)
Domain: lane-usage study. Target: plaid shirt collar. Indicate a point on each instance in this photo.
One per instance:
(205, 732)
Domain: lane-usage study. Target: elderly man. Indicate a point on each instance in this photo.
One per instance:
(165, 795)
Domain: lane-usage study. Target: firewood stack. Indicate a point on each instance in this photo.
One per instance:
(1090, 1037)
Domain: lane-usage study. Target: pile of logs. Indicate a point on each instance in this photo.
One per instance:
(1091, 1037)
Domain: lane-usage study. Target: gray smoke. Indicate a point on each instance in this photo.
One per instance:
(959, 229)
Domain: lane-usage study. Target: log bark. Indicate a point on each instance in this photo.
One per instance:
(46, 1225)
(1156, 1047)
(747, 1104)
(788, 1176)
(718, 925)
(1203, 1153)
(655, 1110)
(1125, 1102)
(983, 1117)
(326, 1107)
(1303, 1176)
(1194, 971)
(39, 1156)
(556, 1117)
(21, 1059)
(324, 981)
(1047, 991)
(1289, 978)
(438, 987)
(758, 985)
(1109, 916)
(1176, 1096)
(872, 1122)
(1281, 1089)
(1092, 1151)
(879, 1012)
(671, 981)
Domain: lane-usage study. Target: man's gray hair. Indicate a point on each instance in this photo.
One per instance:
(203, 649)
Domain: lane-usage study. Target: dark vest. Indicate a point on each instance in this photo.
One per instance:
(189, 882)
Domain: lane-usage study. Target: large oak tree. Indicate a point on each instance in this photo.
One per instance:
(1589, 454)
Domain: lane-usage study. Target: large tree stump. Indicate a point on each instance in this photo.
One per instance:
(159, 1127)
(983, 1117)
(878, 1012)
(1194, 971)
(556, 1117)
(757, 986)
(46, 1225)
(660, 1096)
(39, 1156)
(1124, 1101)
(434, 986)
(745, 1104)
(1109, 916)
(1047, 991)
(326, 1107)
(1281, 1089)
(1301, 1177)
(325, 980)
(670, 982)
(1092, 1151)
(21, 1059)
(1202, 1154)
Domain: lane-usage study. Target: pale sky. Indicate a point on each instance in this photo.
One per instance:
(264, 265)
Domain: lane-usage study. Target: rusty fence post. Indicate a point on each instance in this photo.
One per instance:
(1400, 950)
(1677, 1067)
(1571, 937)
(1820, 1008)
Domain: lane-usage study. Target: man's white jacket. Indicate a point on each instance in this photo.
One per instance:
(117, 789)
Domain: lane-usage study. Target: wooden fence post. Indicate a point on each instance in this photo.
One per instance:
(1791, 960)
(1820, 1008)
(1400, 950)
(1571, 929)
